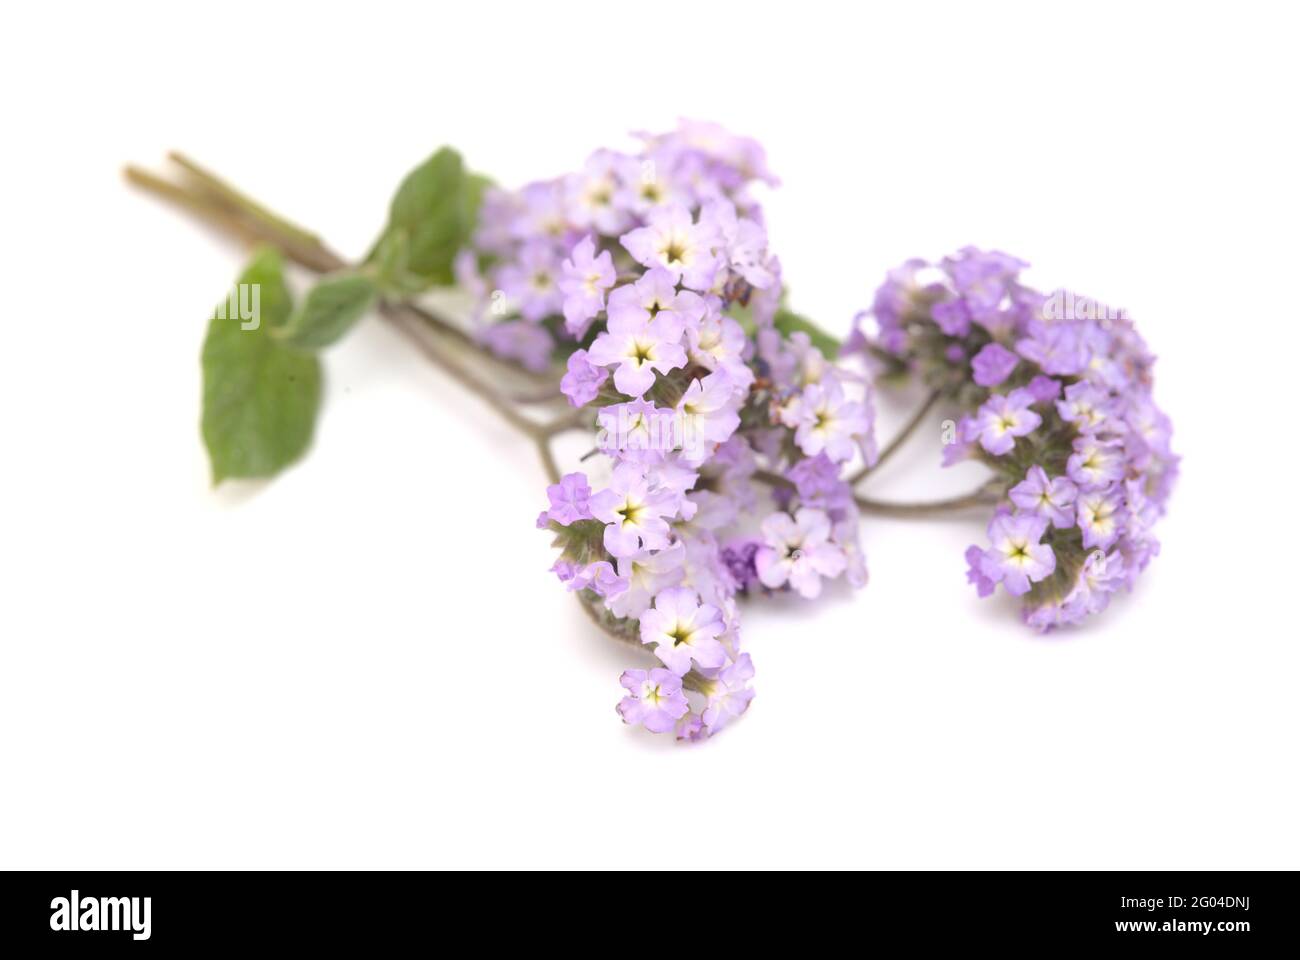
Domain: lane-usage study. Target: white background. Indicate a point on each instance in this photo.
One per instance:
(366, 664)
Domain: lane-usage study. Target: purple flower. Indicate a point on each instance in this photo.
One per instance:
(637, 347)
(1052, 498)
(634, 512)
(894, 298)
(1016, 558)
(1047, 616)
(1149, 432)
(1043, 389)
(1099, 518)
(1002, 418)
(728, 694)
(952, 317)
(647, 573)
(528, 343)
(1085, 406)
(1095, 462)
(1100, 576)
(569, 499)
(537, 211)
(684, 630)
(584, 280)
(791, 362)
(598, 576)
(672, 240)
(655, 296)
(531, 281)
(741, 241)
(662, 319)
(983, 279)
(818, 483)
(708, 412)
(739, 561)
(993, 364)
(1055, 348)
(705, 571)
(583, 381)
(718, 342)
(961, 446)
(797, 551)
(825, 420)
(728, 155)
(655, 699)
(975, 572)
(648, 185)
(844, 534)
(1090, 365)
(590, 196)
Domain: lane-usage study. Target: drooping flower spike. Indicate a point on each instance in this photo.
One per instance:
(723, 434)
(1055, 392)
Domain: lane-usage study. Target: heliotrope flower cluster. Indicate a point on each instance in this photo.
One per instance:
(722, 442)
(1056, 394)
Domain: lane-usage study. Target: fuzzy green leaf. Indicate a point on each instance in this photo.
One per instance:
(328, 311)
(260, 397)
(433, 216)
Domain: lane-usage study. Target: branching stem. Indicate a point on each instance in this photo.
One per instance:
(446, 344)
(222, 206)
(986, 495)
(900, 438)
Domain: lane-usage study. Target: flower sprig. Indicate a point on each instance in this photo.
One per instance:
(650, 273)
(1055, 392)
(636, 301)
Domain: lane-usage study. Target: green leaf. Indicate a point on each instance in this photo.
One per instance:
(433, 216)
(259, 396)
(389, 258)
(788, 322)
(328, 311)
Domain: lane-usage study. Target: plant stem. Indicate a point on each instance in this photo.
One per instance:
(986, 495)
(231, 211)
(899, 439)
(221, 205)
(223, 191)
(226, 208)
(409, 321)
(205, 209)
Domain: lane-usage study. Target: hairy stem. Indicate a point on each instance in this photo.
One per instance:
(440, 340)
(229, 210)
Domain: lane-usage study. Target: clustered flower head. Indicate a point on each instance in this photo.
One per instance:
(1056, 393)
(723, 441)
